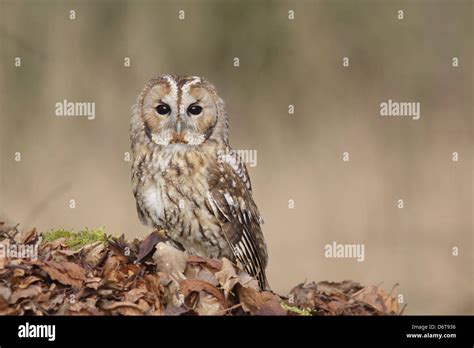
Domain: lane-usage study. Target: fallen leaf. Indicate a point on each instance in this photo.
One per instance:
(227, 277)
(26, 236)
(208, 304)
(179, 311)
(377, 298)
(149, 243)
(93, 253)
(5, 292)
(250, 299)
(58, 274)
(271, 305)
(93, 283)
(74, 270)
(206, 261)
(124, 307)
(332, 288)
(31, 291)
(134, 294)
(193, 285)
(25, 282)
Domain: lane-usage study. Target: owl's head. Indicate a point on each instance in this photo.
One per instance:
(179, 110)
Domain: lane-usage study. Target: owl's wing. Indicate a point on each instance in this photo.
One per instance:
(230, 200)
(232, 158)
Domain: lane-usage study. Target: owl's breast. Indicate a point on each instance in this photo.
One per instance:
(173, 187)
(173, 197)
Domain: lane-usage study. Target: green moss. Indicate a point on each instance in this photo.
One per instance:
(76, 240)
(56, 234)
(304, 311)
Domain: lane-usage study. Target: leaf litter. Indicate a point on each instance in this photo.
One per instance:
(97, 274)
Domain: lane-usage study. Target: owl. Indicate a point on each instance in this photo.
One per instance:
(186, 178)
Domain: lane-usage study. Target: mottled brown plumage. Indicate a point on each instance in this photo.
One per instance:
(186, 178)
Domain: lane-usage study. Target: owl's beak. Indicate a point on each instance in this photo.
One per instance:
(178, 127)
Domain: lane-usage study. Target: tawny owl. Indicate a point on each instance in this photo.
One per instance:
(185, 177)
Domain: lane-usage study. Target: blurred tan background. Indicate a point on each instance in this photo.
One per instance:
(282, 62)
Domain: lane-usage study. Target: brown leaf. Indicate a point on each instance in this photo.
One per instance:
(336, 307)
(66, 273)
(392, 305)
(26, 236)
(18, 272)
(57, 299)
(66, 252)
(153, 284)
(31, 291)
(227, 277)
(377, 298)
(5, 292)
(93, 253)
(208, 304)
(85, 307)
(205, 261)
(55, 244)
(149, 243)
(391, 302)
(271, 306)
(250, 299)
(332, 288)
(93, 282)
(74, 270)
(112, 264)
(193, 285)
(25, 282)
(304, 295)
(179, 311)
(124, 307)
(10, 311)
(134, 294)
(3, 262)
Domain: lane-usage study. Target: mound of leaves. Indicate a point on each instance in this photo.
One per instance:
(90, 273)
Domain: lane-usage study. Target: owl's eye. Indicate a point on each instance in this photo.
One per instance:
(163, 109)
(194, 109)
